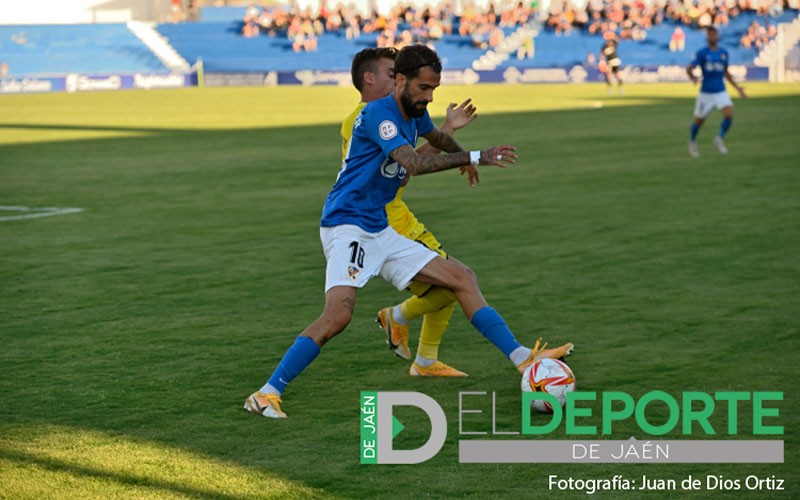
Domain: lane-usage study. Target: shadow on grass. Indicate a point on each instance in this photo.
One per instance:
(78, 471)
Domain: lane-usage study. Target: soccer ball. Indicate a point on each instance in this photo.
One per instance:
(551, 376)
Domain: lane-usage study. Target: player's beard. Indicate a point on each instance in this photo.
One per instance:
(411, 108)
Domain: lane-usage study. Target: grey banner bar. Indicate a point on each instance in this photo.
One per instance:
(497, 451)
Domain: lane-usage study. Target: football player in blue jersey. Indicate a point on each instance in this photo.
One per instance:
(713, 63)
(358, 241)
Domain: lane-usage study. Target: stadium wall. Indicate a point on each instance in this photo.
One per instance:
(84, 83)
(576, 74)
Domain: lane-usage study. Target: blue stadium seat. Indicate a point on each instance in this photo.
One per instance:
(221, 14)
(81, 48)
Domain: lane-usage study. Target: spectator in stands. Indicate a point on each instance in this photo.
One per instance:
(333, 21)
(561, 17)
(435, 29)
(446, 15)
(352, 25)
(758, 36)
(496, 37)
(3, 69)
(251, 26)
(527, 49)
(405, 40)
(176, 11)
(479, 37)
(305, 39)
(386, 39)
(677, 43)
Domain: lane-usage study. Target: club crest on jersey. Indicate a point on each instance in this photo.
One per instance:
(387, 129)
(353, 271)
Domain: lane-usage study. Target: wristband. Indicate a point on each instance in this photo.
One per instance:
(474, 157)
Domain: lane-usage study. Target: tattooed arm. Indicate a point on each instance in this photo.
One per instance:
(417, 164)
(457, 117)
(443, 141)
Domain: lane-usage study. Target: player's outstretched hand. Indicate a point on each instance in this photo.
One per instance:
(741, 92)
(500, 156)
(460, 115)
(472, 174)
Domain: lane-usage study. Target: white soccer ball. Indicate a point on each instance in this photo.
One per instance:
(551, 376)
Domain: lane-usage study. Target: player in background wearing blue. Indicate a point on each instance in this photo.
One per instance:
(373, 76)
(359, 243)
(713, 62)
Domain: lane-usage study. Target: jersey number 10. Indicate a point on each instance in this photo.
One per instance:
(356, 254)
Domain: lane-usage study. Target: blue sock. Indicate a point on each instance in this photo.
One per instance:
(494, 328)
(297, 358)
(723, 128)
(695, 130)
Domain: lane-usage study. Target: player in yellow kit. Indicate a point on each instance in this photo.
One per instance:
(373, 76)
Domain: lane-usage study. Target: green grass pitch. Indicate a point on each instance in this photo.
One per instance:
(133, 331)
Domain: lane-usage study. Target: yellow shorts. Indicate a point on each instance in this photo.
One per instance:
(426, 238)
(406, 224)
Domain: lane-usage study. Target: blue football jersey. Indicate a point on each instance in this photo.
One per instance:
(369, 178)
(713, 64)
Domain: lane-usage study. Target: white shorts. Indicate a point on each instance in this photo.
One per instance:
(354, 256)
(706, 102)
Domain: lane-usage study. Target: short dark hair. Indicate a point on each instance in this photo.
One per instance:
(366, 60)
(415, 57)
(712, 28)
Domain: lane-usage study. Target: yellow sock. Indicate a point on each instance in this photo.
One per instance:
(433, 300)
(434, 325)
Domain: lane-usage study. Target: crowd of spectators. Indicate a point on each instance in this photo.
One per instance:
(403, 25)
(758, 35)
(630, 19)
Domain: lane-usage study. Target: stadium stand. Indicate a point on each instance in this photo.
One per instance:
(217, 40)
(566, 50)
(222, 48)
(84, 48)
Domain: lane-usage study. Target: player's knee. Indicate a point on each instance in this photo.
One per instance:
(337, 320)
(341, 319)
(464, 277)
(471, 274)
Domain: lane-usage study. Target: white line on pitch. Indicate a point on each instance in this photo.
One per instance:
(36, 212)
